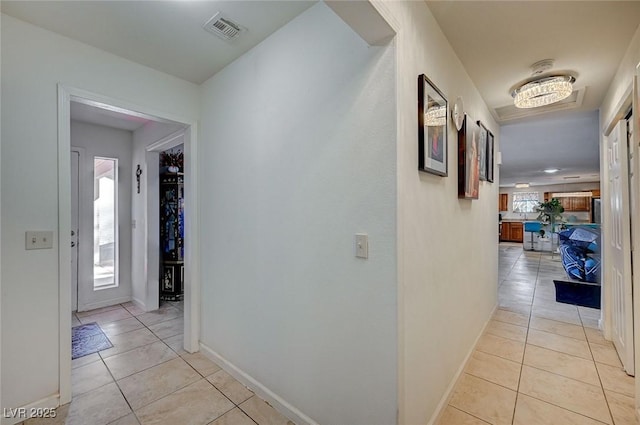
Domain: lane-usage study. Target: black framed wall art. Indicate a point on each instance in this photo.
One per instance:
(490, 156)
(432, 128)
(482, 152)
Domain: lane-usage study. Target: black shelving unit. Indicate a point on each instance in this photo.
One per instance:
(172, 236)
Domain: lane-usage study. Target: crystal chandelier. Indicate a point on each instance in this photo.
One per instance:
(436, 116)
(543, 90)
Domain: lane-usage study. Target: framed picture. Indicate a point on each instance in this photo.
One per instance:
(468, 159)
(432, 128)
(482, 151)
(490, 152)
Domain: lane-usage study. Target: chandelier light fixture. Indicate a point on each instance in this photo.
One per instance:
(436, 116)
(543, 90)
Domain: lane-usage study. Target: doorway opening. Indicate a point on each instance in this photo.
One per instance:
(109, 264)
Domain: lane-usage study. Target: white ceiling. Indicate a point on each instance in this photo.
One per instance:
(164, 35)
(528, 148)
(498, 41)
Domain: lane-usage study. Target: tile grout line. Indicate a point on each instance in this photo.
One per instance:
(524, 350)
(531, 315)
(467, 413)
(117, 381)
(202, 377)
(604, 394)
(590, 351)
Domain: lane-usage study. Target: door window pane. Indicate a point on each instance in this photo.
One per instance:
(105, 223)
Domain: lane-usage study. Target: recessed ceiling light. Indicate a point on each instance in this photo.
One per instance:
(551, 170)
(522, 185)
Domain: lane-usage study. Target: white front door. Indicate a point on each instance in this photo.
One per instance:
(618, 273)
(75, 196)
(99, 212)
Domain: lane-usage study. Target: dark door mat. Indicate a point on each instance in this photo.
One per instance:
(88, 339)
(578, 293)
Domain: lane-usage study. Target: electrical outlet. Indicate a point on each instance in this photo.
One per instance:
(42, 239)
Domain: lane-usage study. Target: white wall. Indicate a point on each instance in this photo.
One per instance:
(297, 154)
(622, 81)
(111, 143)
(443, 303)
(34, 61)
(568, 187)
(146, 236)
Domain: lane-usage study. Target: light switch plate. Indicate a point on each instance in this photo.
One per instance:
(38, 239)
(362, 245)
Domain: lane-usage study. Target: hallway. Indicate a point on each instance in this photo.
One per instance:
(147, 378)
(540, 362)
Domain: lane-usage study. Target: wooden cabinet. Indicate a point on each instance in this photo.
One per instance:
(581, 203)
(517, 232)
(512, 231)
(576, 203)
(503, 202)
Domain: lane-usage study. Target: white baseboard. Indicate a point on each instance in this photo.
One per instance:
(138, 303)
(444, 401)
(258, 388)
(52, 401)
(100, 304)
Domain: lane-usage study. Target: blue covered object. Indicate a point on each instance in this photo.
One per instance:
(580, 253)
(532, 226)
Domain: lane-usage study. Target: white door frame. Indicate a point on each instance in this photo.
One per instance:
(81, 255)
(152, 208)
(607, 127)
(618, 274)
(635, 226)
(192, 278)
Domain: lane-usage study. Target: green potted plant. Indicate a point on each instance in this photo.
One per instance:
(550, 213)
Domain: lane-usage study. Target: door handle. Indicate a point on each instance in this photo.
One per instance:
(73, 244)
(73, 233)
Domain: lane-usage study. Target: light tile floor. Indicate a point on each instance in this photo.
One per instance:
(147, 378)
(540, 362)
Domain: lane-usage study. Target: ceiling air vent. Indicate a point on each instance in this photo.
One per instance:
(223, 27)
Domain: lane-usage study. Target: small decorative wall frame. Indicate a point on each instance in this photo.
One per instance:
(482, 152)
(490, 154)
(468, 159)
(433, 117)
